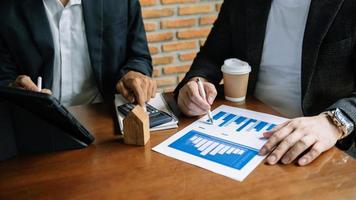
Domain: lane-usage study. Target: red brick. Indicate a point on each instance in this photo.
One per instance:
(193, 33)
(164, 60)
(159, 37)
(177, 1)
(166, 81)
(148, 2)
(153, 49)
(176, 69)
(169, 89)
(218, 7)
(187, 56)
(207, 20)
(177, 23)
(157, 13)
(202, 42)
(150, 26)
(195, 9)
(157, 72)
(179, 46)
(181, 77)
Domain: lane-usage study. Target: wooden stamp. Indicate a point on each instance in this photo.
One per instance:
(136, 127)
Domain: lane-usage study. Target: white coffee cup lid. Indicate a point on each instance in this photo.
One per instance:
(235, 66)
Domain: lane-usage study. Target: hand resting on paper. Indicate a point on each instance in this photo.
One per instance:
(307, 137)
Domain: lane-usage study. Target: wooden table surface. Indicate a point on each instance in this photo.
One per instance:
(109, 169)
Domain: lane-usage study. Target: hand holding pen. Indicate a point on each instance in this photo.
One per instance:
(203, 95)
(191, 101)
(25, 82)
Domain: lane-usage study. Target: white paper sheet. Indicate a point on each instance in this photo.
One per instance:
(229, 147)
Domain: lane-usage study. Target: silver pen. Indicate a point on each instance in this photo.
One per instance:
(39, 84)
(201, 88)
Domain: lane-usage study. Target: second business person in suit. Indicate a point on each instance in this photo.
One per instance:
(303, 59)
(85, 50)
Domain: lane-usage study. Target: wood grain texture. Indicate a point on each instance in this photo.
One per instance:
(136, 127)
(109, 169)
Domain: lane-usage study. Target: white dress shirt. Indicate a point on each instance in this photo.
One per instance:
(73, 80)
(279, 81)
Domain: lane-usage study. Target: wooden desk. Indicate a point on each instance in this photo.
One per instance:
(110, 169)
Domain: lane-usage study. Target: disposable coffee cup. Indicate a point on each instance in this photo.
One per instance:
(236, 74)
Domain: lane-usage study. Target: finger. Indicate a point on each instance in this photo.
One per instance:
(46, 91)
(140, 95)
(145, 85)
(182, 104)
(151, 90)
(124, 92)
(194, 96)
(210, 92)
(302, 145)
(154, 91)
(276, 138)
(284, 146)
(187, 106)
(268, 134)
(193, 108)
(314, 152)
(26, 83)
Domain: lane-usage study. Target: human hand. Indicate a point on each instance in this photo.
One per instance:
(135, 86)
(190, 100)
(25, 82)
(309, 136)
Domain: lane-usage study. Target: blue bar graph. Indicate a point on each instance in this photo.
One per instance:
(271, 127)
(227, 119)
(219, 115)
(260, 126)
(246, 124)
(215, 149)
(242, 123)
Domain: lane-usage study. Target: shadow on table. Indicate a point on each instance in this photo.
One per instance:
(352, 151)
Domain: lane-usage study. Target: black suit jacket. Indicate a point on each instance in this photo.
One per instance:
(115, 33)
(328, 58)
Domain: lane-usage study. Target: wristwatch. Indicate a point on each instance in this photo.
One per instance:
(342, 122)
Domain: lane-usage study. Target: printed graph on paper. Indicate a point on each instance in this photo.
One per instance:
(229, 147)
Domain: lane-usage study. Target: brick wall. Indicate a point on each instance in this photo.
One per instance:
(175, 31)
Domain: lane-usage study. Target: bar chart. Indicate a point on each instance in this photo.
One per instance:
(229, 146)
(241, 123)
(215, 149)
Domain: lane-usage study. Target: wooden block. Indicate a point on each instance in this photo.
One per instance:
(136, 127)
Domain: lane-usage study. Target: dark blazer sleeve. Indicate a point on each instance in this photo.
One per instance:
(8, 69)
(216, 49)
(138, 55)
(348, 106)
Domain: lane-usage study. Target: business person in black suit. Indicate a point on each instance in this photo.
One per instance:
(85, 50)
(302, 54)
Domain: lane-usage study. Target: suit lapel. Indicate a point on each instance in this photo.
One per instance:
(321, 15)
(257, 16)
(36, 17)
(93, 19)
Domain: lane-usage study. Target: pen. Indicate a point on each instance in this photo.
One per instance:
(39, 84)
(201, 88)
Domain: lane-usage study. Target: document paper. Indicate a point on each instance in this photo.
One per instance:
(229, 147)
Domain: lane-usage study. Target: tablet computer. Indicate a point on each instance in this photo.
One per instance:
(54, 121)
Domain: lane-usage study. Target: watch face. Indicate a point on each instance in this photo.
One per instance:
(347, 125)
